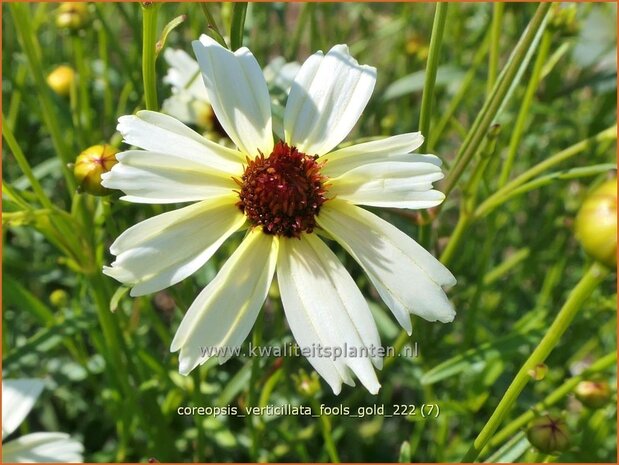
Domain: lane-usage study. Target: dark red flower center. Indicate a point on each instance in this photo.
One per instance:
(282, 192)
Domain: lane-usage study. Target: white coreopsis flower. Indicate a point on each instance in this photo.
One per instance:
(286, 195)
(18, 397)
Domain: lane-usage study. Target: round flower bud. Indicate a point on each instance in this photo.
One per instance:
(596, 223)
(417, 47)
(306, 384)
(91, 164)
(549, 434)
(72, 15)
(539, 372)
(564, 20)
(61, 79)
(59, 298)
(593, 394)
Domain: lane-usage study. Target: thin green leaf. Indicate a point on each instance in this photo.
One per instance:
(480, 356)
(212, 28)
(15, 294)
(166, 31)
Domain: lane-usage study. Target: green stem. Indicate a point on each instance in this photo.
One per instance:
(506, 266)
(252, 396)
(438, 28)
(469, 194)
(111, 36)
(495, 40)
(239, 10)
(107, 88)
(462, 92)
(26, 38)
(111, 332)
(149, 42)
(16, 95)
(591, 279)
(524, 113)
(454, 240)
(299, 29)
(496, 100)
(500, 196)
(24, 165)
(398, 345)
(550, 178)
(325, 426)
(600, 365)
(83, 80)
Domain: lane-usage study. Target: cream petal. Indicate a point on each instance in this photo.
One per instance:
(225, 311)
(395, 148)
(151, 177)
(325, 309)
(43, 447)
(184, 74)
(238, 94)
(165, 249)
(390, 184)
(18, 397)
(162, 133)
(407, 277)
(326, 99)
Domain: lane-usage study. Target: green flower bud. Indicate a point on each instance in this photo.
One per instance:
(91, 164)
(563, 19)
(539, 372)
(59, 298)
(72, 15)
(596, 223)
(593, 394)
(549, 434)
(61, 79)
(306, 385)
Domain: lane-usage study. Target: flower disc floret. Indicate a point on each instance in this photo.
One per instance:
(283, 192)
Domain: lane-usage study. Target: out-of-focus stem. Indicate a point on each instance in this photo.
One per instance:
(23, 164)
(495, 39)
(534, 81)
(499, 196)
(26, 38)
(496, 99)
(587, 284)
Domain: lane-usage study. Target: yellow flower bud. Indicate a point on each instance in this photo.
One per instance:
(91, 164)
(593, 394)
(417, 47)
(72, 15)
(596, 223)
(59, 298)
(61, 79)
(549, 434)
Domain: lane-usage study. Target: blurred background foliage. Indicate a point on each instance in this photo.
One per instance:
(111, 379)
